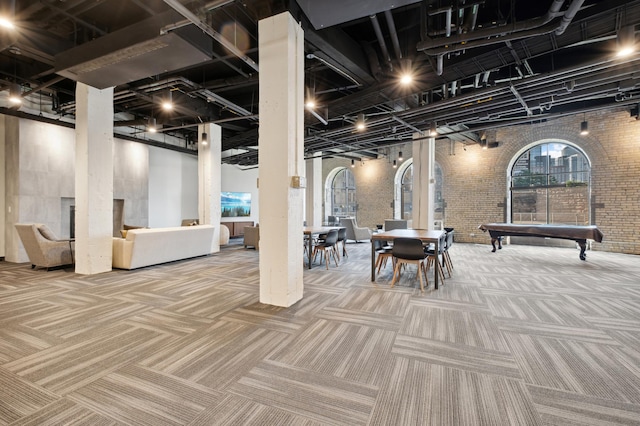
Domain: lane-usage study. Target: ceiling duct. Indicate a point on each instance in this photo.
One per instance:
(327, 13)
(135, 52)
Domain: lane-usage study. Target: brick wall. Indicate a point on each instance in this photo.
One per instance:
(475, 180)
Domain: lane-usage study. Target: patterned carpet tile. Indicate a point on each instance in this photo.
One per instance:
(19, 341)
(570, 409)
(138, 396)
(68, 322)
(318, 397)
(370, 299)
(462, 327)
(268, 317)
(578, 367)
(20, 397)
(71, 365)
(535, 309)
(66, 412)
(529, 335)
(236, 411)
(457, 356)
(421, 393)
(367, 319)
(589, 334)
(599, 306)
(213, 303)
(354, 352)
(166, 322)
(216, 356)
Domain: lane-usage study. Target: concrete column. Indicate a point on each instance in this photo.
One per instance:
(94, 179)
(209, 177)
(281, 159)
(313, 193)
(3, 170)
(424, 182)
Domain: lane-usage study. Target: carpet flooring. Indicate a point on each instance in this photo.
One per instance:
(524, 336)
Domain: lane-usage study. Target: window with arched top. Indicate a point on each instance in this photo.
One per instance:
(343, 193)
(550, 183)
(406, 192)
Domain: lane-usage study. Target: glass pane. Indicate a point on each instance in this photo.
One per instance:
(561, 175)
(569, 205)
(529, 206)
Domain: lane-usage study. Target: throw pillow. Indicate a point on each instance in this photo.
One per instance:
(47, 233)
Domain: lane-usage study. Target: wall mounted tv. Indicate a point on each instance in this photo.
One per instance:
(236, 204)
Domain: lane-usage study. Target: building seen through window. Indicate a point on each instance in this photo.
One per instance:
(550, 183)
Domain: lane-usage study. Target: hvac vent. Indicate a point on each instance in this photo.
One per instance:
(134, 53)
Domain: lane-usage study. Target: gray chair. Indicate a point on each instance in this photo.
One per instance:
(354, 232)
(409, 250)
(328, 248)
(43, 247)
(390, 224)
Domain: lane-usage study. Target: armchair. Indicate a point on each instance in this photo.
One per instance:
(43, 247)
(354, 232)
(252, 236)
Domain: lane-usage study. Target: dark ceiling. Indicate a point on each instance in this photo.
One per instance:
(478, 65)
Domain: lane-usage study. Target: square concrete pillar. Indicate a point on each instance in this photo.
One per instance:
(281, 159)
(424, 182)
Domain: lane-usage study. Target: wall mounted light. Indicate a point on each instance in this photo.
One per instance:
(395, 164)
(584, 128)
(400, 156)
(353, 162)
(204, 139)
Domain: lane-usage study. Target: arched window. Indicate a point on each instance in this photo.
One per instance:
(550, 183)
(404, 195)
(343, 193)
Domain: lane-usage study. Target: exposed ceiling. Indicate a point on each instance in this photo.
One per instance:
(478, 65)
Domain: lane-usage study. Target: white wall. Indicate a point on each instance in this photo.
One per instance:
(173, 187)
(235, 179)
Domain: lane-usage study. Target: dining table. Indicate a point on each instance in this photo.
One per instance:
(435, 237)
(310, 231)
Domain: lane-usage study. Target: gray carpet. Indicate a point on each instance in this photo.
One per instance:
(524, 336)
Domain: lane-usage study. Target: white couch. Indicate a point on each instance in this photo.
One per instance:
(144, 247)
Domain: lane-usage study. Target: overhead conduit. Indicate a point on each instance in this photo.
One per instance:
(489, 36)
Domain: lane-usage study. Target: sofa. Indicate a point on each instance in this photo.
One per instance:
(224, 231)
(43, 247)
(145, 247)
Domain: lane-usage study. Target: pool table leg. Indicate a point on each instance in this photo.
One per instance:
(583, 249)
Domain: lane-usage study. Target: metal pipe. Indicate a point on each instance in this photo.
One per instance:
(381, 42)
(574, 7)
(393, 33)
(494, 33)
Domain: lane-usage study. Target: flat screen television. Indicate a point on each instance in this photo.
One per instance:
(236, 204)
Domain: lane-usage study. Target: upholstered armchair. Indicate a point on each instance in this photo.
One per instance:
(43, 247)
(354, 232)
(252, 237)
